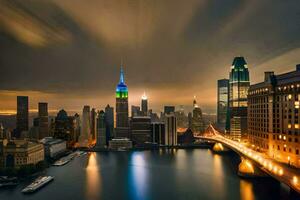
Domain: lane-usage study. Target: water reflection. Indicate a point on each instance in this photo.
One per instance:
(218, 174)
(181, 159)
(246, 190)
(138, 176)
(93, 186)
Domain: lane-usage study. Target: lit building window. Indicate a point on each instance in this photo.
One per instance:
(290, 96)
(297, 126)
(289, 126)
(296, 104)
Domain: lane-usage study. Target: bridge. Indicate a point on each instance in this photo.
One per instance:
(252, 159)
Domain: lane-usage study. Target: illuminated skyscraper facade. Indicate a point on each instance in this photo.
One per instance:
(238, 90)
(144, 104)
(222, 104)
(122, 124)
(85, 134)
(273, 116)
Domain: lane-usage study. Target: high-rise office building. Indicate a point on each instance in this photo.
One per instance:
(182, 119)
(238, 89)
(76, 126)
(135, 111)
(169, 109)
(122, 123)
(170, 129)
(43, 124)
(109, 122)
(140, 129)
(222, 103)
(197, 119)
(64, 127)
(93, 124)
(101, 130)
(85, 133)
(158, 133)
(273, 116)
(144, 104)
(22, 115)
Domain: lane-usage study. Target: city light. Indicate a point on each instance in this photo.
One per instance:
(295, 180)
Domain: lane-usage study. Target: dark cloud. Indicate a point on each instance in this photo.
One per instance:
(74, 48)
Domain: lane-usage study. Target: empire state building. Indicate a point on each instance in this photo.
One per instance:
(122, 127)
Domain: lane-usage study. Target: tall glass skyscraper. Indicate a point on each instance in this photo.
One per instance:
(43, 120)
(238, 90)
(22, 114)
(222, 104)
(122, 125)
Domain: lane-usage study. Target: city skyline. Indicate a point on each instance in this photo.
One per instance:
(88, 51)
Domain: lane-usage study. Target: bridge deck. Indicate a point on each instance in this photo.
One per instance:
(279, 171)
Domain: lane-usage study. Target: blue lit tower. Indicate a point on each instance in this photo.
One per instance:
(238, 90)
(122, 127)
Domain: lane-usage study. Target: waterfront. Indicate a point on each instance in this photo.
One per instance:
(164, 174)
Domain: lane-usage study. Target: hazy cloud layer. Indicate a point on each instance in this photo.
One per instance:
(173, 50)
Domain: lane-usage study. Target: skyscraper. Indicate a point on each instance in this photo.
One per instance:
(43, 120)
(140, 129)
(93, 124)
(222, 103)
(238, 90)
(135, 111)
(197, 120)
(64, 127)
(170, 130)
(158, 133)
(109, 122)
(144, 104)
(122, 126)
(22, 115)
(169, 109)
(85, 134)
(101, 130)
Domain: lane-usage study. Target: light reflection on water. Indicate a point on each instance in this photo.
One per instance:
(246, 189)
(147, 175)
(93, 186)
(218, 174)
(138, 176)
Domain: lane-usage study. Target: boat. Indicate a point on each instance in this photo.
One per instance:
(37, 184)
(60, 162)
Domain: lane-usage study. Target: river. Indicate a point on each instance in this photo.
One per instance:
(152, 175)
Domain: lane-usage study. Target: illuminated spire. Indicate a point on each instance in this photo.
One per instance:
(195, 102)
(121, 74)
(144, 97)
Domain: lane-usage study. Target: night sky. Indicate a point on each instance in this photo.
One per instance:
(68, 52)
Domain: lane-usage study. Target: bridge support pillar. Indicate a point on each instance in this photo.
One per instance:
(219, 147)
(248, 170)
